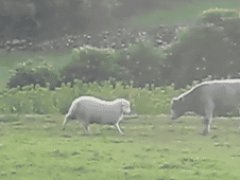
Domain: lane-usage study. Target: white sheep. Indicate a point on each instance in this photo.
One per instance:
(91, 110)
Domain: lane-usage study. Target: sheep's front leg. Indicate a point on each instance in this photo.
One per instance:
(117, 125)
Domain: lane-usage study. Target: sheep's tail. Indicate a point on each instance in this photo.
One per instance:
(70, 114)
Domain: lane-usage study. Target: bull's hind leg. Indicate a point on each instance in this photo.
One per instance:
(239, 114)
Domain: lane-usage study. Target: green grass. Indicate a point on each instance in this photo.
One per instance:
(153, 147)
(178, 12)
(9, 60)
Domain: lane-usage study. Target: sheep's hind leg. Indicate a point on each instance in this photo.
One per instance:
(86, 128)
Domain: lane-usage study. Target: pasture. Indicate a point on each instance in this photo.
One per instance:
(153, 147)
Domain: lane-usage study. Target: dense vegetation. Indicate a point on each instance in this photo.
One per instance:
(209, 49)
(28, 73)
(44, 101)
(28, 18)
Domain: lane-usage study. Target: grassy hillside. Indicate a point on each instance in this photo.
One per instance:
(153, 147)
(178, 12)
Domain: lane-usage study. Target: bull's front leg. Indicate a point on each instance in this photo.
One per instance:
(239, 114)
(208, 119)
(207, 125)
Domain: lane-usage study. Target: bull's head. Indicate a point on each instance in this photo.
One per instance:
(177, 108)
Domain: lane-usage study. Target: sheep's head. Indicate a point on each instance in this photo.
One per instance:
(125, 106)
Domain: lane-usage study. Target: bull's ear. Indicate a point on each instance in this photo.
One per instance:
(181, 99)
(173, 100)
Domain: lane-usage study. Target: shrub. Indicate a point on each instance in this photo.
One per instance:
(217, 16)
(27, 73)
(210, 48)
(229, 21)
(91, 64)
(43, 101)
(141, 64)
(203, 52)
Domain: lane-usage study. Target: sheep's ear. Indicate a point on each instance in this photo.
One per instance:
(122, 103)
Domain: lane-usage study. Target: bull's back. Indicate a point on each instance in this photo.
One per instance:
(224, 94)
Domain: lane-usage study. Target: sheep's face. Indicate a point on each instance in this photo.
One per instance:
(125, 105)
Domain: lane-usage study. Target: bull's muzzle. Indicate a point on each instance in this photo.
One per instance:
(173, 115)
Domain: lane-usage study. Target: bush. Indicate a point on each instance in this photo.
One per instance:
(210, 48)
(27, 73)
(91, 64)
(141, 64)
(43, 101)
(217, 16)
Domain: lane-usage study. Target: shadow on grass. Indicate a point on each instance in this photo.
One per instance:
(9, 118)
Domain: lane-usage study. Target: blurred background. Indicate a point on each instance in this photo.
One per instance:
(150, 44)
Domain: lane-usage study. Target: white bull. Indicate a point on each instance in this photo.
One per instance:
(207, 99)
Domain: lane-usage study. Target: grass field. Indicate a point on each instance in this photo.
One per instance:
(153, 147)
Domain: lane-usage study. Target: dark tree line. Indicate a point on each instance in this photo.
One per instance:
(28, 18)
